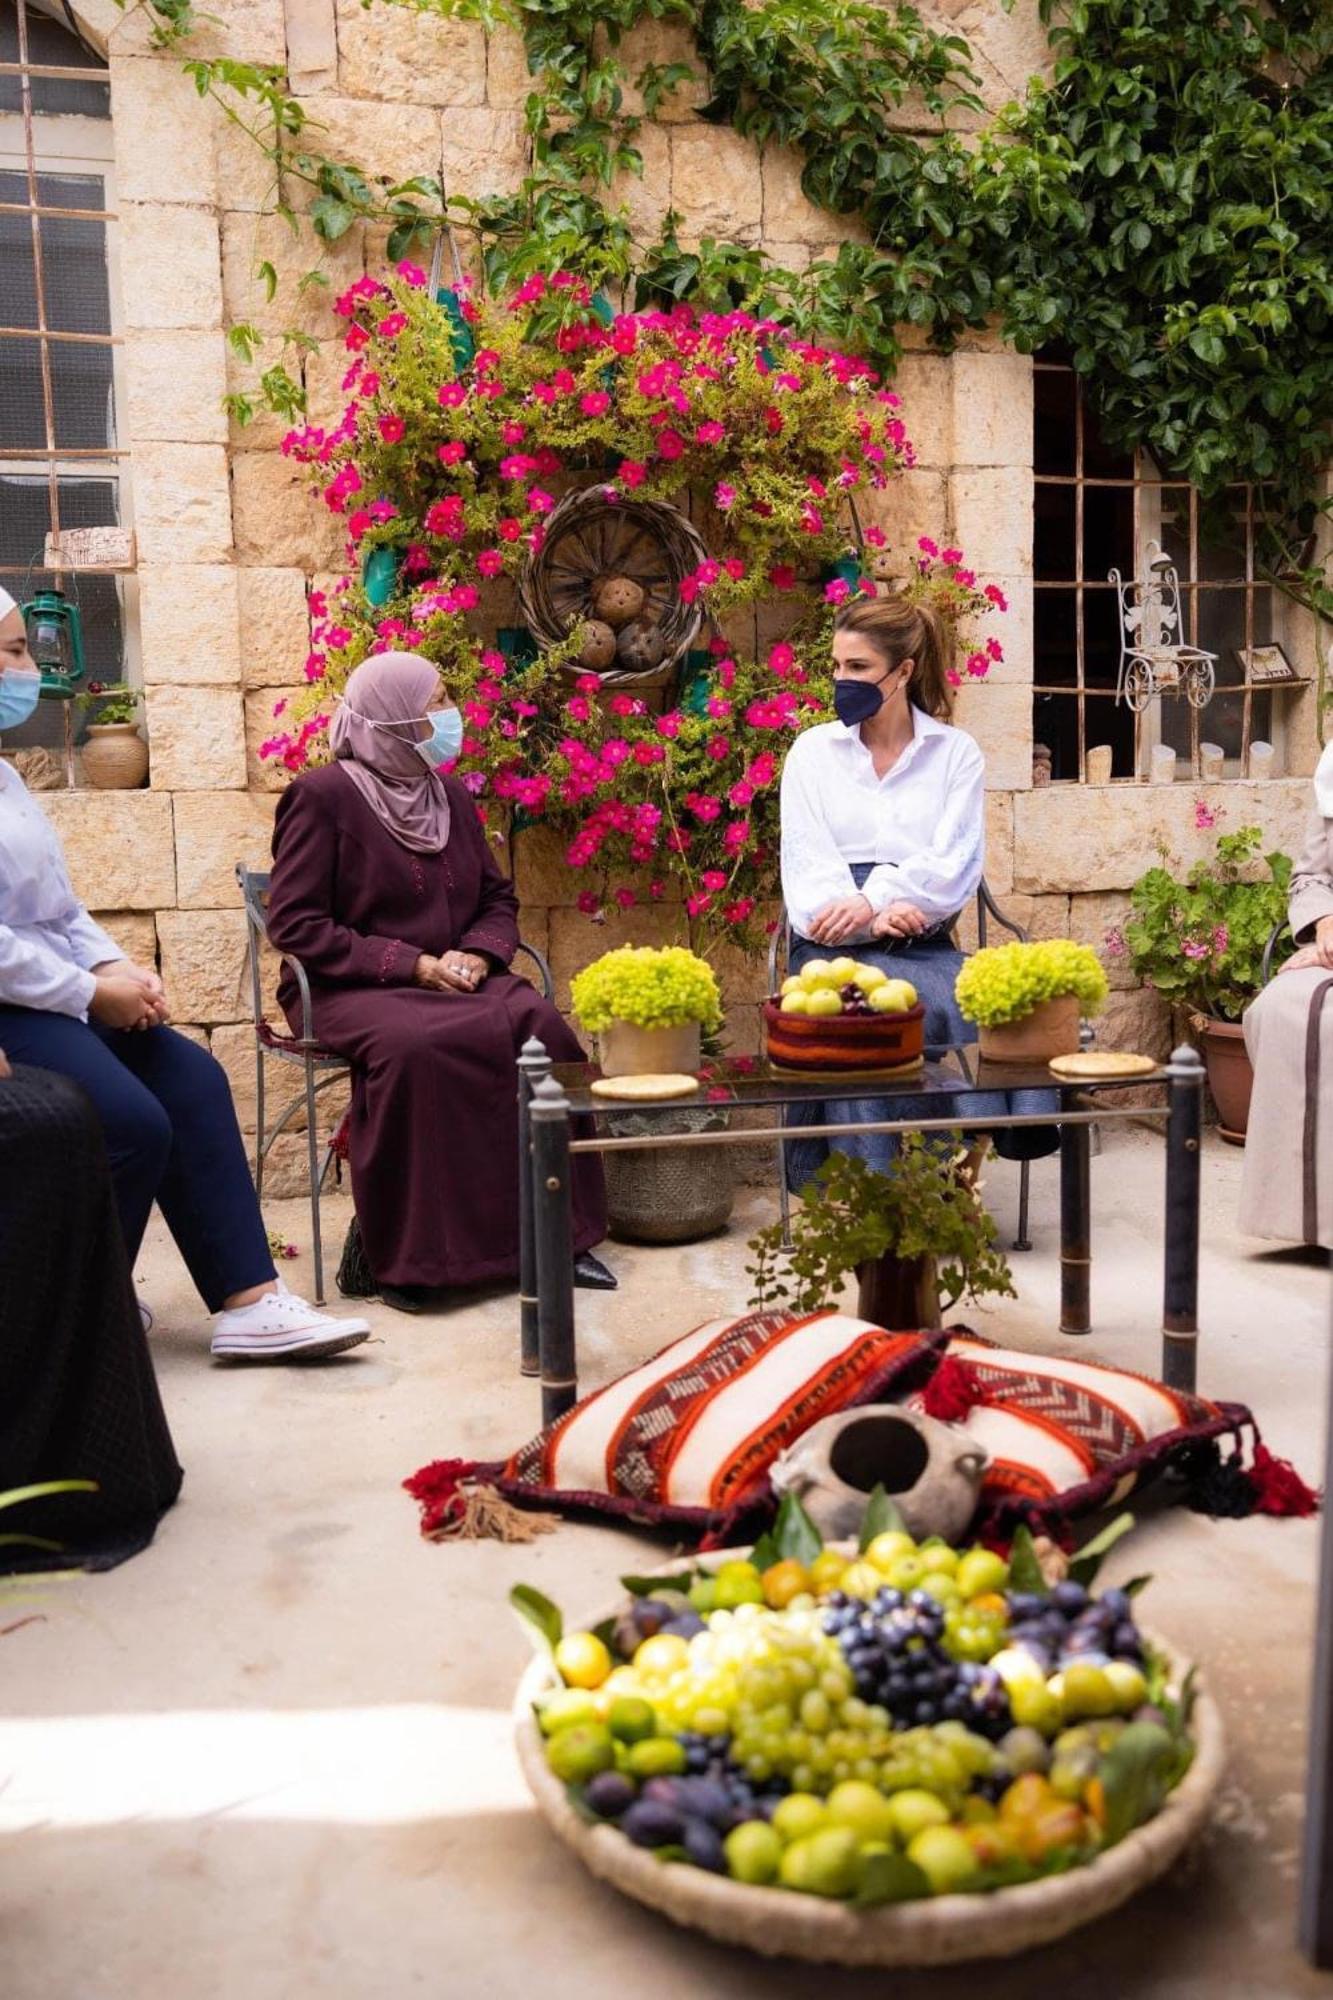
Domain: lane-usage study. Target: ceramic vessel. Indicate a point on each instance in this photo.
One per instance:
(1051, 1029)
(626, 1050)
(1230, 1075)
(931, 1471)
(673, 1194)
(115, 757)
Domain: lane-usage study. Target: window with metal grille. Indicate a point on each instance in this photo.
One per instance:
(1096, 509)
(60, 466)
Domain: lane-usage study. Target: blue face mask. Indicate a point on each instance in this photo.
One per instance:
(857, 701)
(445, 739)
(18, 697)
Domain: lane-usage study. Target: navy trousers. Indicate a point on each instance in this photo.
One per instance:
(171, 1137)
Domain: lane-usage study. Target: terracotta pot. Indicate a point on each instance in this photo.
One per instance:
(1051, 1029)
(115, 757)
(626, 1050)
(1230, 1077)
(676, 1194)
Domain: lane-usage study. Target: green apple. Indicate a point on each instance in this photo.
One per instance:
(796, 1002)
(823, 1001)
(895, 996)
(815, 973)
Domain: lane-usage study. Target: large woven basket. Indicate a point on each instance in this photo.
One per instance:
(589, 535)
(940, 1930)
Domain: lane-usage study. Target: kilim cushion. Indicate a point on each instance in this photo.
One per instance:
(1064, 1436)
(688, 1437)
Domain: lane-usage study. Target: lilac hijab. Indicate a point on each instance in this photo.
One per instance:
(384, 763)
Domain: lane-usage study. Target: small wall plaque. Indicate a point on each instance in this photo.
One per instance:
(90, 549)
(1266, 663)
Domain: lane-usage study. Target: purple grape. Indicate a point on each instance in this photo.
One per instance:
(684, 1625)
(1118, 1603)
(610, 1793)
(650, 1824)
(1069, 1596)
(703, 1844)
(650, 1615)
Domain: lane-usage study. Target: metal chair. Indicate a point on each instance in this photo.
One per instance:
(779, 951)
(1266, 968)
(321, 1066)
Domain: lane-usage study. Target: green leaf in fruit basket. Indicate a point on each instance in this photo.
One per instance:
(651, 1586)
(1025, 1572)
(880, 1517)
(764, 1553)
(1135, 1585)
(795, 1535)
(1136, 1773)
(538, 1613)
(1084, 1566)
(889, 1878)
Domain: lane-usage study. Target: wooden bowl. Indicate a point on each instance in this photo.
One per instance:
(844, 1045)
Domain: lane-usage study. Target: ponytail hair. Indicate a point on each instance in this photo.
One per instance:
(902, 630)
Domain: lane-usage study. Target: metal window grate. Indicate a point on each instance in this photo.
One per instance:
(1095, 508)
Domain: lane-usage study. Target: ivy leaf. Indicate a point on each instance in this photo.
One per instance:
(1085, 1564)
(539, 1614)
(1025, 1572)
(880, 1517)
(889, 1878)
(330, 218)
(795, 1536)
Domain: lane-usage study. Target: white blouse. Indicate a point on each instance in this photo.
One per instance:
(922, 825)
(48, 941)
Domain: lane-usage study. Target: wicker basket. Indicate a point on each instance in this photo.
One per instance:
(590, 535)
(941, 1930)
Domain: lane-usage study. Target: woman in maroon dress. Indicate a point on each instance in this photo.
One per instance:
(385, 888)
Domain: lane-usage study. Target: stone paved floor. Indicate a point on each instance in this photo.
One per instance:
(270, 1759)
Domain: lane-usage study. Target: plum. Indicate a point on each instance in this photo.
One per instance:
(610, 1793)
(648, 1823)
(703, 1843)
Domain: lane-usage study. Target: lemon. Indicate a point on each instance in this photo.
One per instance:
(791, 984)
(842, 971)
(656, 1757)
(868, 977)
(814, 973)
(861, 1579)
(582, 1660)
(783, 1581)
(797, 1002)
(885, 1549)
(665, 1653)
(939, 1556)
(825, 1570)
(825, 1000)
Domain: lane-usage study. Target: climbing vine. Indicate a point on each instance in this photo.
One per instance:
(1160, 207)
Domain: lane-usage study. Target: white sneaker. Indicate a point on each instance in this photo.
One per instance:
(282, 1327)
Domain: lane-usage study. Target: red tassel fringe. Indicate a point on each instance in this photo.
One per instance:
(951, 1392)
(438, 1491)
(1277, 1486)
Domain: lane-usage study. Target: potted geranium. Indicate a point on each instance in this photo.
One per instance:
(1029, 999)
(648, 1007)
(1199, 939)
(115, 756)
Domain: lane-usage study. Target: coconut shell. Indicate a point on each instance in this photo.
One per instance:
(617, 599)
(640, 646)
(599, 646)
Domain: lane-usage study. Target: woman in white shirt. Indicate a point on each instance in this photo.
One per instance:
(70, 1002)
(883, 839)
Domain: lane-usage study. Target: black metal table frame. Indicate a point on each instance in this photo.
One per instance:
(547, 1146)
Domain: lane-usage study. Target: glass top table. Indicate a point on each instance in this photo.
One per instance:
(559, 1118)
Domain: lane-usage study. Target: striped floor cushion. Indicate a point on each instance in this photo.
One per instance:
(687, 1438)
(1064, 1436)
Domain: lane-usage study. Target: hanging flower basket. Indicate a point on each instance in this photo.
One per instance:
(619, 562)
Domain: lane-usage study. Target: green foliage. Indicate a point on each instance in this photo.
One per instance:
(1005, 982)
(102, 704)
(1199, 939)
(648, 986)
(851, 1214)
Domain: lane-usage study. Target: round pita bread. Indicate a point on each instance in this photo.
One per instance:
(644, 1089)
(1090, 1064)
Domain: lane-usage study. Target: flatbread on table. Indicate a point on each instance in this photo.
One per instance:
(1091, 1064)
(643, 1089)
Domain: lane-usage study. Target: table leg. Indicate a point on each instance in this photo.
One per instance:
(1180, 1285)
(1317, 1866)
(549, 1117)
(1075, 1230)
(533, 1064)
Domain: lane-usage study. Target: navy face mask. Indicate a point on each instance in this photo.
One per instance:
(857, 701)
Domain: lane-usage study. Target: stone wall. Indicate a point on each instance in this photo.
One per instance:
(229, 545)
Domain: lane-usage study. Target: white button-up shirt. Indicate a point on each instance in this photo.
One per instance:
(921, 826)
(48, 942)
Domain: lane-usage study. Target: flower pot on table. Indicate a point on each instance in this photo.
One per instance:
(1051, 1029)
(115, 757)
(624, 1049)
(1230, 1074)
(673, 1194)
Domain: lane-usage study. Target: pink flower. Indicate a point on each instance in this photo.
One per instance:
(540, 501)
(704, 805)
(670, 444)
(951, 555)
(668, 725)
(741, 795)
(838, 591)
(509, 529)
(1192, 948)
(782, 576)
(513, 433)
(997, 597)
(632, 473)
(927, 546)
(736, 913)
(1221, 939)
(734, 568)
(698, 906)
(718, 707)
(391, 428)
(1113, 942)
(451, 395)
(392, 325)
(589, 903)
(718, 748)
(978, 665)
(626, 898)
(1204, 816)
(486, 360)
(452, 453)
(412, 274)
(713, 879)
(490, 562)
(517, 465)
(711, 433)
(595, 404)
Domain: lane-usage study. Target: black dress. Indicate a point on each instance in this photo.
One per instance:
(78, 1397)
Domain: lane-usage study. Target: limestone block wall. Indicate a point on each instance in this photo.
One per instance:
(230, 547)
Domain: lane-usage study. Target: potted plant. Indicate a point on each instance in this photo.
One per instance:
(115, 756)
(648, 1006)
(1028, 999)
(1199, 940)
(918, 1239)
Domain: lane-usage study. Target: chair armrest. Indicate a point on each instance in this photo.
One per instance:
(303, 988)
(1266, 969)
(779, 949)
(546, 982)
(987, 905)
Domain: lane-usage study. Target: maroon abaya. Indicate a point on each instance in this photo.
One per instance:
(434, 1131)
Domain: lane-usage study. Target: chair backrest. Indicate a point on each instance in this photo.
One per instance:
(779, 945)
(254, 885)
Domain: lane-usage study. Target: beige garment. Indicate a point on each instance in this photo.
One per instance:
(1286, 1188)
